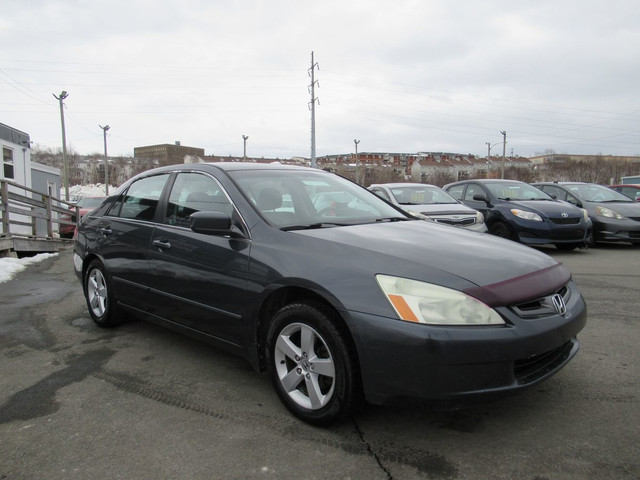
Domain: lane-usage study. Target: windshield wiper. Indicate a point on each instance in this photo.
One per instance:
(312, 226)
(391, 219)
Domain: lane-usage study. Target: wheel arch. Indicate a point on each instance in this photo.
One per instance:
(287, 295)
(86, 261)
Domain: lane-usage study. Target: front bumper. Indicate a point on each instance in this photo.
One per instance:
(77, 265)
(542, 233)
(607, 230)
(401, 360)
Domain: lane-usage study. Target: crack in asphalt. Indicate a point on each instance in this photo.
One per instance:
(370, 450)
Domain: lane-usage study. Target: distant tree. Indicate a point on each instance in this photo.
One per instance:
(440, 178)
(383, 175)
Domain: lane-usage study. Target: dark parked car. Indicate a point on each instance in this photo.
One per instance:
(616, 218)
(520, 212)
(84, 206)
(432, 202)
(628, 190)
(338, 300)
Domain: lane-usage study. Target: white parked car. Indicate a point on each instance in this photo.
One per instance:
(431, 202)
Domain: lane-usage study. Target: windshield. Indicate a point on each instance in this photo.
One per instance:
(516, 191)
(597, 193)
(292, 199)
(421, 195)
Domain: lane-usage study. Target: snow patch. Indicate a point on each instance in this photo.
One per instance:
(76, 192)
(10, 266)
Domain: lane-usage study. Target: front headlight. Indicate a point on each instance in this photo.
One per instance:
(607, 212)
(585, 214)
(422, 302)
(479, 217)
(526, 215)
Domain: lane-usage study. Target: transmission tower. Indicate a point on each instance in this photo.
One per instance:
(312, 106)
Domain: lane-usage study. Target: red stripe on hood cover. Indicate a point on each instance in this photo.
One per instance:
(521, 289)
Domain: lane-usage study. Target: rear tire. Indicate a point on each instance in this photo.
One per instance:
(312, 365)
(100, 298)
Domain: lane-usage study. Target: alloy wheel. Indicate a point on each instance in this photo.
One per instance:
(305, 366)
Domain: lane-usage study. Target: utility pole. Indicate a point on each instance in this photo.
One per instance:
(356, 142)
(488, 144)
(106, 160)
(312, 105)
(65, 162)
(504, 152)
(245, 138)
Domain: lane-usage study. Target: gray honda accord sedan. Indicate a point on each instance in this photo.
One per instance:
(339, 295)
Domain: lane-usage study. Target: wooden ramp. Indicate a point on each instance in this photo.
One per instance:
(30, 219)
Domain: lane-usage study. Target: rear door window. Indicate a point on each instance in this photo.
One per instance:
(140, 200)
(456, 191)
(556, 192)
(472, 189)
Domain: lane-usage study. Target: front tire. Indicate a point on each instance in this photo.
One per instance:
(100, 298)
(567, 246)
(312, 364)
(501, 230)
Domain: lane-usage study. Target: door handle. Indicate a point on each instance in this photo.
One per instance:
(106, 231)
(161, 244)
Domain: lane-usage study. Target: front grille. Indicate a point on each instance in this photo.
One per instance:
(576, 234)
(531, 369)
(565, 221)
(541, 307)
(449, 221)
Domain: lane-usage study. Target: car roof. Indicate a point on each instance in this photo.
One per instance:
(225, 166)
(402, 184)
(228, 166)
(564, 183)
(486, 180)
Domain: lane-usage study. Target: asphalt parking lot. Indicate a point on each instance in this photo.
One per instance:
(140, 402)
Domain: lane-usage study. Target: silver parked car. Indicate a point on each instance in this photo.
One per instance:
(431, 202)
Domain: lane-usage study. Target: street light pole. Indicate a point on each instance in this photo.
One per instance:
(356, 142)
(106, 161)
(504, 152)
(65, 161)
(245, 138)
(489, 147)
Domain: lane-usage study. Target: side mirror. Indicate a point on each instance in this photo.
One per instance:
(214, 223)
(481, 197)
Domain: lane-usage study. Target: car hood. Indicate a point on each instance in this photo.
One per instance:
(545, 207)
(439, 209)
(628, 209)
(497, 271)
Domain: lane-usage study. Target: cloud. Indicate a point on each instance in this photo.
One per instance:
(402, 76)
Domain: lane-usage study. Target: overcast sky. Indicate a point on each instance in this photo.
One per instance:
(399, 76)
